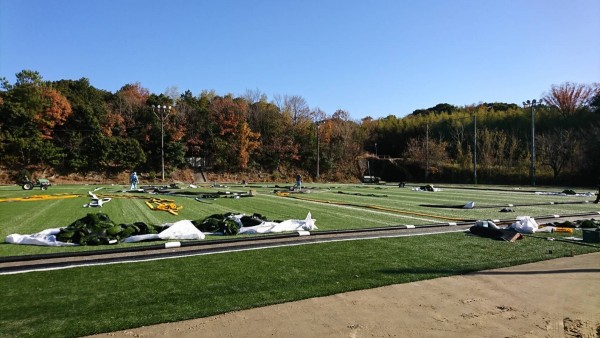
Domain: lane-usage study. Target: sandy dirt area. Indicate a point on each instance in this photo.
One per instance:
(554, 298)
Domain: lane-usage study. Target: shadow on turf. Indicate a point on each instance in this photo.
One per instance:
(497, 273)
(535, 272)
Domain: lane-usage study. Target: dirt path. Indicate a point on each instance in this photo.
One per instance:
(555, 298)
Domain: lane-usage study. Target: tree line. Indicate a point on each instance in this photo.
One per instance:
(70, 126)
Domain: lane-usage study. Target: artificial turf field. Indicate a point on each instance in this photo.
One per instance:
(86, 300)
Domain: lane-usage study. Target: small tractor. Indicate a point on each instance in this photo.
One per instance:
(42, 183)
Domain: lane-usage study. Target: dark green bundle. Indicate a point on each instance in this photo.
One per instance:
(565, 224)
(230, 227)
(585, 224)
(209, 224)
(218, 223)
(590, 223)
(89, 230)
(138, 228)
(98, 229)
(255, 219)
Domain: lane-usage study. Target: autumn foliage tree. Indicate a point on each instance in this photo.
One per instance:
(233, 139)
(568, 98)
(248, 142)
(71, 126)
(56, 109)
(29, 114)
(277, 145)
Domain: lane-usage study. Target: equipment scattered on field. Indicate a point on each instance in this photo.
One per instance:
(527, 225)
(164, 205)
(490, 230)
(427, 187)
(591, 236)
(371, 179)
(96, 201)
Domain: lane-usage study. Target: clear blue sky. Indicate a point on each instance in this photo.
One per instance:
(371, 58)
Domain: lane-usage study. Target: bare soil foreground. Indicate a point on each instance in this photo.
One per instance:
(554, 298)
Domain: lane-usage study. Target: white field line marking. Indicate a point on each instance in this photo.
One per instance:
(228, 251)
(365, 209)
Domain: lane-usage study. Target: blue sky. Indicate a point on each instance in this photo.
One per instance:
(370, 58)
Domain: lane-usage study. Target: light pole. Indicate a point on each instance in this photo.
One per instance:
(532, 104)
(318, 123)
(474, 147)
(427, 153)
(162, 110)
(376, 155)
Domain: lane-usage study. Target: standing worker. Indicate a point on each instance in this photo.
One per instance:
(299, 182)
(133, 179)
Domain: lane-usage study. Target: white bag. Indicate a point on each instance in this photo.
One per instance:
(525, 224)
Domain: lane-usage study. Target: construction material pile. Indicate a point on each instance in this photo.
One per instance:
(228, 223)
(164, 205)
(584, 224)
(99, 229)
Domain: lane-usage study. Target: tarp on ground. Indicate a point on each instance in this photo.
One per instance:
(525, 224)
(307, 224)
(550, 193)
(46, 238)
(182, 230)
(428, 187)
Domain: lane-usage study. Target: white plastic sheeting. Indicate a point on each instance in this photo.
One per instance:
(424, 189)
(307, 224)
(46, 238)
(179, 230)
(525, 224)
(584, 194)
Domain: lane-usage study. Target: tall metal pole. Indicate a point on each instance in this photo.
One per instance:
(532, 169)
(532, 104)
(427, 152)
(474, 147)
(162, 145)
(318, 123)
(162, 117)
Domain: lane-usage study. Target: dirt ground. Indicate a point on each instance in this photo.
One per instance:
(554, 298)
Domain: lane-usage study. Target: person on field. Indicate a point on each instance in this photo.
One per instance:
(598, 194)
(298, 182)
(133, 179)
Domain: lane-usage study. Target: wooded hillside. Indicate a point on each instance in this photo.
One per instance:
(68, 126)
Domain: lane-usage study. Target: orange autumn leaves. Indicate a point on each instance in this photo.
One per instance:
(56, 110)
(229, 116)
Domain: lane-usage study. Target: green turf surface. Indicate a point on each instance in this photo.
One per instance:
(86, 300)
(401, 206)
